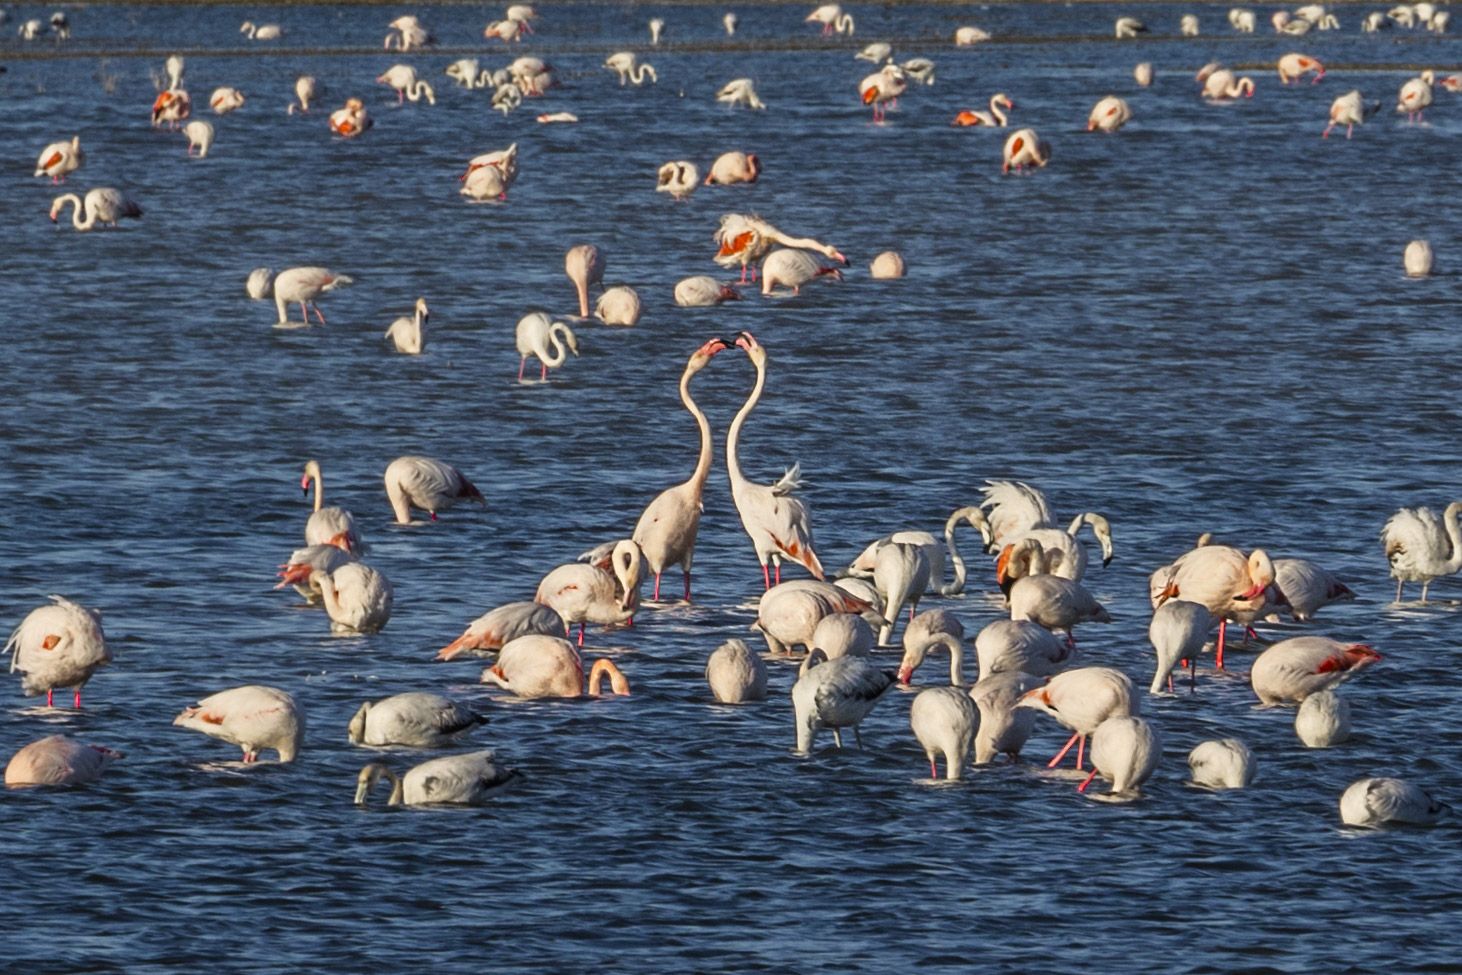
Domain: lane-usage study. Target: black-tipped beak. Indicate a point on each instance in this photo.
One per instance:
(1106, 561)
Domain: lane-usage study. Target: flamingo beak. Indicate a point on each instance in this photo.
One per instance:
(904, 674)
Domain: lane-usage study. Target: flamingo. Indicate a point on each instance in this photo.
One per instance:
(1129, 27)
(1323, 720)
(734, 167)
(773, 517)
(171, 106)
(883, 87)
(1421, 547)
(1004, 727)
(351, 120)
(468, 73)
(199, 134)
(1221, 86)
(1109, 115)
(533, 76)
(1125, 750)
(546, 666)
(225, 100)
(262, 32)
(842, 635)
(60, 158)
(629, 70)
(1023, 150)
(1142, 74)
(657, 27)
(1220, 578)
(1415, 96)
(862, 567)
(876, 53)
(736, 674)
(1081, 700)
(31, 29)
(304, 562)
(547, 117)
(1349, 110)
(938, 629)
(740, 91)
(901, 574)
(254, 717)
(1225, 763)
(356, 597)
(1417, 259)
(1307, 587)
(536, 332)
(729, 21)
(745, 239)
(584, 264)
(619, 305)
(1374, 22)
(408, 335)
(920, 69)
(832, 19)
(523, 13)
(700, 291)
(976, 519)
(498, 627)
(1377, 801)
(428, 484)
(332, 525)
(506, 31)
(789, 268)
(58, 760)
(583, 593)
(666, 531)
(1177, 632)
(1051, 601)
(789, 613)
(402, 77)
(1294, 66)
(301, 284)
(306, 90)
(491, 174)
(102, 206)
(1188, 25)
(61, 26)
(943, 720)
(888, 265)
(1293, 669)
(836, 694)
(679, 178)
(414, 720)
(406, 33)
(1020, 646)
(60, 645)
(994, 117)
(458, 780)
(1241, 20)
(969, 36)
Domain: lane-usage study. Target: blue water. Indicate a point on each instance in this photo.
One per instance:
(1198, 324)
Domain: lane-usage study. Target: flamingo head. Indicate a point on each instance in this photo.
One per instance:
(294, 574)
(715, 345)
(754, 165)
(747, 341)
(729, 293)
(1005, 102)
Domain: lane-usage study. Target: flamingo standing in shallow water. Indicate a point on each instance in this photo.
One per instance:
(734, 167)
(296, 284)
(103, 205)
(1421, 547)
(328, 526)
(1349, 110)
(60, 645)
(427, 484)
(536, 332)
(832, 19)
(1220, 578)
(1293, 669)
(545, 666)
(57, 760)
(60, 158)
(994, 117)
(745, 239)
(351, 120)
(943, 719)
(498, 627)
(1415, 96)
(775, 519)
(254, 717)
(666, 531)
(1081, 700)
(1025, 150)
(883, 87)
(583, 593)
(584, 264)
(1293, 67)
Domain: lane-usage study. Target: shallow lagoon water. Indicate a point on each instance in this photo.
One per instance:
(1199, 324)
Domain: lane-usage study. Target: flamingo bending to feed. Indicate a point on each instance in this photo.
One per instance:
(994, 117)
(943, 719)
(1293, 669)
(172, 106)
(406, 34)
(413, 720)
(1081, 700)
(58, 760)
(506, 30)
(535, 333)
(1349, 110)
(1323, 720)
(938, 629)
(306, 90)
(1125, 751)
(1422, 547)
(103, 206)
(1142, 74)
(262, 32)
(832, 19)
(457, 780)
(408, 335)
(629, 69)
(468, 73)
(976, 519)
(1222, 86)
(773, 517)
(736, 674)
(351, 120)
(583, 593)
(490, 175)
(1004, 726)
(1307, 587)
(328, 526)
(862, 567)
(498, 627)
(1109, 115)
(1051, 601)
(619, 305)
(679, 178)
(1293, 67)
(356, 597)
(1177, 632)
(969, 36)
(842, 634)
(1377, 801)
(666, 530)
(1127, 28)
(901, 574)
(402, 77)
(546, 666)
(1417, 259)
(1220, 578)
(584, 264)
(1415, 96)
(1225, 763)
(60, 158)
(734, 167)
(745, 239)
(199, 134)
(225, 100)
(883, 87)
(428, 484)
(888, 265)
(1025, 150)
(836, 694)
(305, 562)
(875, 53)
(254, 717)
(1022, 647)
(60, 645)
(740, 91)
(702, 291)
(301, 284)
(788, 268)
(789, 614)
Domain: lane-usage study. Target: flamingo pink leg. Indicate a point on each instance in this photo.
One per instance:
(1062, 753)
(656, 597)
(687, 585)
(1082, 787)
(48, 699)
(304, 313)
(77, 702)
(1218, 650)
(317, 315)
(433, 515)
(543, 372)
(779, 573)
(933, 769)
(766, 579)
(521, 366)
(743, 274)
(581, 634)
(1080, 752)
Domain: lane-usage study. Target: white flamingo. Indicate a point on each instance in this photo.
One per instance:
(1178, 630)
(938, 629)
(943, 720)
(306, 90)
(199, 134)
(584, 265)
(1004, 726)
(60, 645)
(1225, 763)
(545, 666)
(414, 720)
(745, 239)
(402, 77)
(331, 525)
(60, 158)
(1323, 720)
(1293, 669)
(254, 717)
(535, 334)
(736, 674)
(1377, 801)
(836, 694)
(103, 206)
(356, 597)
(58, 760)
(740, 91)
(261, 32)
(296, 284)
(498, 627)
(458, 780)
(619, 305)
(1417, 259)
(832, 19)
(1020, 646)
(583, 593)
(629, 69)
(1422, 547)
(679, 178)
(994, 118)
(731, 168)
(1081, 700)
(1125, 751)
(408, 335)
(426, 484)
(701, 291)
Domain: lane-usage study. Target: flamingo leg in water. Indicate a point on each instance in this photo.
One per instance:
(1080, 752)
(304, 313)
(778, 565)
(838, 738)
(687, 585)
(743, 274)
(48, 699)
(1082, 787)
(858, 738)
(1062, 753)
(77, 702)
(543, 372)
(581, 634)
(656, 597)
(766, 578)
(521, 366)
(1218, 650)
(317, 315)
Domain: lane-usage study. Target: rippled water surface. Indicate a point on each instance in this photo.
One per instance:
(1199, 324)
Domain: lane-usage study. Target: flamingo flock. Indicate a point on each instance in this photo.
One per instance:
(843, 628)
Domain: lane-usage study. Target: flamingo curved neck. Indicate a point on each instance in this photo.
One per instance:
(733, 467)
(319, 488)
(555, 358)
(956, 657)
(703, 463)
(957, 564)
(995, 112)
(77, 208)
(1454, 535)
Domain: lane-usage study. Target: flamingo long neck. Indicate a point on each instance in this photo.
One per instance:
(844, 24)
(702, 470)
(640, 72)
(733, 468)
(76, 210)
(421, 89)
(956, 658)
(995, 111)
(398, 791)
(252, 31)
(319, 490)
(283, 307)
(556, 358)
(957, 585)
(801, 243)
